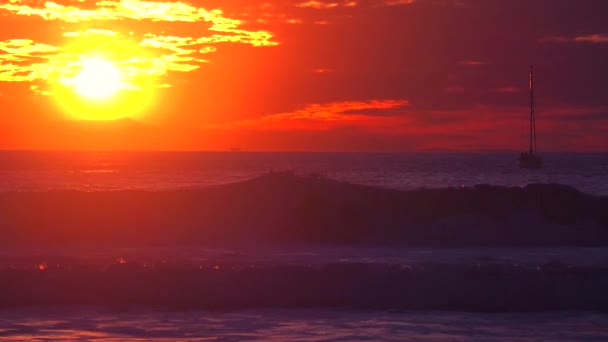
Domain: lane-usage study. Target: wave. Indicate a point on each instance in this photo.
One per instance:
(282, 208)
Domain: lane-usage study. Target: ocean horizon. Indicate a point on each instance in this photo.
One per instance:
(103, 171)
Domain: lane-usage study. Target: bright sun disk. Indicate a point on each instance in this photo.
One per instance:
(98, 79)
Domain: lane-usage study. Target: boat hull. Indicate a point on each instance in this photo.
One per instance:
(529, 160)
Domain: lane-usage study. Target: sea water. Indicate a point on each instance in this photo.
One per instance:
(101, 171)
(159, 171)
(312, 325)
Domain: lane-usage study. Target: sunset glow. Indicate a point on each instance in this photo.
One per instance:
(270, 169)
(299, 75)
(97, 80)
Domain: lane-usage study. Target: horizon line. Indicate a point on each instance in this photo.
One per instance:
(3, 150)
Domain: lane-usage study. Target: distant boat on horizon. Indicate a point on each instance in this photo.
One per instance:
(531, 159)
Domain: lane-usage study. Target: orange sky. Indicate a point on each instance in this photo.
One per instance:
(375, 75)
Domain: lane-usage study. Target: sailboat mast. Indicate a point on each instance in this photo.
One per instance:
(532, 114)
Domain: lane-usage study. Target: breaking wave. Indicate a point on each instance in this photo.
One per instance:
(281, 208)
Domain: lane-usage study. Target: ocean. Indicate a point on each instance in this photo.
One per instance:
(298, 325)
(105, 171)
(240, 246)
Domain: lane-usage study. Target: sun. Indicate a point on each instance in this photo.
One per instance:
(98, 79)
(105, 77)
(104, 86)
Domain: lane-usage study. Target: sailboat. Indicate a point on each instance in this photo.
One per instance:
(531, 159)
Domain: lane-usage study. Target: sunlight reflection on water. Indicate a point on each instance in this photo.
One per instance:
(298, 325)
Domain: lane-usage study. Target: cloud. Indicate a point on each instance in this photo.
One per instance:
(398, 2)
(150, 55)
(321, 116)
(114, 10)
(393, 124)
(24, 47)
(90, 32)
(314, 4)
(323, 71)
(317, 12)
(591, 38)
(15, 57)
(473, 63)
(145, 10)
(318, 4)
